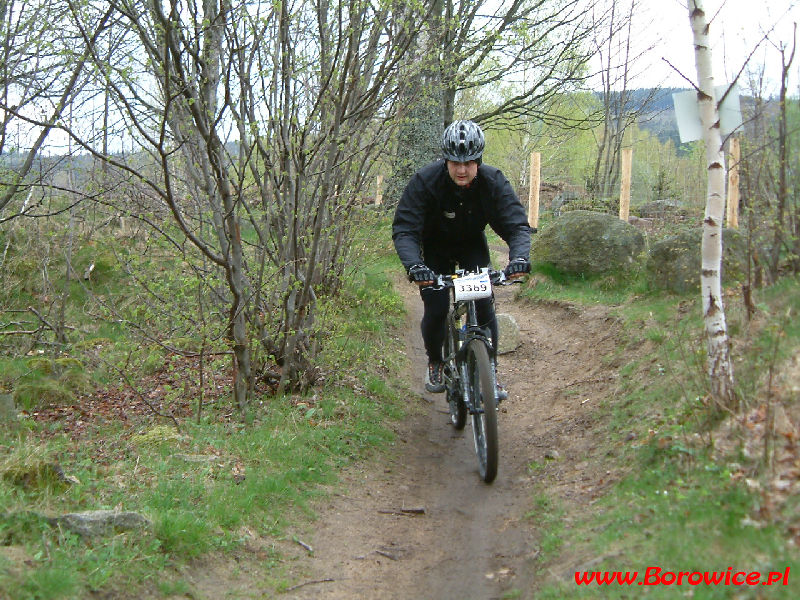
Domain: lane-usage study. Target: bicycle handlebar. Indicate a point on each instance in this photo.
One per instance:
(495, 276)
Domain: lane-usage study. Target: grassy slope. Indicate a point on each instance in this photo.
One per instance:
(253, 480)
(693, 495)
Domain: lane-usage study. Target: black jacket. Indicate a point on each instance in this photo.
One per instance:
(436, 219)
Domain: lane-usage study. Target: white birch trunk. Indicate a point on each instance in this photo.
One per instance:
(720, 368)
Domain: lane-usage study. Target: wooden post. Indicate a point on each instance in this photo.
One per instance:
(379, 191)
(625, 186)
(732, 214)
(533, 193)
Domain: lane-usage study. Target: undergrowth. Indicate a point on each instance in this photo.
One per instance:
(217, 484)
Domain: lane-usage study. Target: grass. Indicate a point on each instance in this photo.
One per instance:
(550, 284)
(211, 488)
(220, 485)
(683, 503)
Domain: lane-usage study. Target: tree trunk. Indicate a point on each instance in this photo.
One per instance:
(428, 103)
(791, 241)
(720, 368)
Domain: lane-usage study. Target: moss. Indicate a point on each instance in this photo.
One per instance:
(41, 392)
(38, 474)
(67, 363)
(41, 364)
(156, 437)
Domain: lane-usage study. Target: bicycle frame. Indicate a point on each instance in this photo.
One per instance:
(469, 357)
(466, 333)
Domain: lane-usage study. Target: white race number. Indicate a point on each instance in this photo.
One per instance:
(473, 287)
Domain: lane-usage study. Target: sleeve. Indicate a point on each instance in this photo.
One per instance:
(508, 218)
(409, 222)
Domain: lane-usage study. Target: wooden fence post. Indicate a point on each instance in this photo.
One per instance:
(379, 191)
(533, 192)
(625, 186)
(732, 214)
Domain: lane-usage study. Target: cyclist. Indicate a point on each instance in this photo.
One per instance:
(440, 221)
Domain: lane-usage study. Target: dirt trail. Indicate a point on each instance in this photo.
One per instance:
(474, 541)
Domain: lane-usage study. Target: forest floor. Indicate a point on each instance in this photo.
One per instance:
(422, 524)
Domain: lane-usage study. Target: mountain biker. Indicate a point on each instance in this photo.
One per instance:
(440, 222)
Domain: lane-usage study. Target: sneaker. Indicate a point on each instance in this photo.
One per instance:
(500, 393)
(434, 382)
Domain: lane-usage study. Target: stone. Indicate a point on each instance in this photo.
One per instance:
(583, 242)
(508, 332)
(101, 522)
(674, 263)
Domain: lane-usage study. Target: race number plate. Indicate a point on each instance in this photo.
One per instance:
(472, 287)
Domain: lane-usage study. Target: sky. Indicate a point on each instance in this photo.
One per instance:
(736, 28)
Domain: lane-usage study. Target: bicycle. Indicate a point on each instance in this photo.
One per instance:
(469, 363)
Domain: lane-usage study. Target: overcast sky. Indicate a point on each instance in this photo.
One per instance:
(737, 26)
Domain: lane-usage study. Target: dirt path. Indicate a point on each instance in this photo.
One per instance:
(473, 541)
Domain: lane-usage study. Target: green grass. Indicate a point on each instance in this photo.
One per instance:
(262, 475)
(678, 516)
(546, 515)
(550, 284)
(680, 506)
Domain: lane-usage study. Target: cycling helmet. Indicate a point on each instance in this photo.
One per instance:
(463, 141)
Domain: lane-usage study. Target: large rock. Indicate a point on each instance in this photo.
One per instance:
(585, 242)
(674, 263)
(508, 332)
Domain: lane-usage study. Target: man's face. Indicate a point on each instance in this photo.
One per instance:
(462, 172)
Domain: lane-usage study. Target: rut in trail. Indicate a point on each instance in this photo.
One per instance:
(473, 541)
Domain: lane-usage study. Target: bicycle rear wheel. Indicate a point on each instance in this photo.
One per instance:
(484, 419)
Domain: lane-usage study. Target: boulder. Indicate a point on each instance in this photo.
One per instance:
(585, 242)
(509, 334)
(101, 522)
(674, 263)
(660, 209)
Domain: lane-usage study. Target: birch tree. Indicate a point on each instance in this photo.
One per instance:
(720, 367)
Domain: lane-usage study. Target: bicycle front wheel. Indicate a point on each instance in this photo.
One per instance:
(484, 418)
(455, 397)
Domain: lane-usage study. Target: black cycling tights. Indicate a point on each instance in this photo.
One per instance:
(434, 319)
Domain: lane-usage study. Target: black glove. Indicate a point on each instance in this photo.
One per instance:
(419, 273)
(517, 265)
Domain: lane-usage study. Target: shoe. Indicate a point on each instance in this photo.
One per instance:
(434, 382)
(500, 393)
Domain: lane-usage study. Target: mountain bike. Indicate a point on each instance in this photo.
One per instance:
(469, 363)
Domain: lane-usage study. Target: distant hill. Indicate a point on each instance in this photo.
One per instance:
(659, 113)
(659, 116)
(660, 119)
